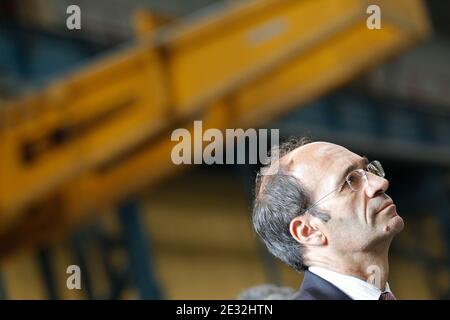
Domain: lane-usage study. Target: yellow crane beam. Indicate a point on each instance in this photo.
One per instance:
(103, 132)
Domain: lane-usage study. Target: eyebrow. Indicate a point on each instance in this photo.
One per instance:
(357, 165)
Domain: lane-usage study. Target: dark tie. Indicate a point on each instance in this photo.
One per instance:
(387, 296)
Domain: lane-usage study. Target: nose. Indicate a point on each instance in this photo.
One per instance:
(375, 185)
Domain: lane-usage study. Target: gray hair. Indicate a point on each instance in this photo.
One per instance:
(279, 198)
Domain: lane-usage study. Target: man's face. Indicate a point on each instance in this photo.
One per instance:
(359, 219)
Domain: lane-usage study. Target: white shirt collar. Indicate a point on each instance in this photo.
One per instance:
(355, 288)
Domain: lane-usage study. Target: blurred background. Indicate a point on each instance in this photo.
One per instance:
(86, 116)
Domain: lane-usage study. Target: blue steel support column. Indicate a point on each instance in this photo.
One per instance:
(82, 261)
(45, 263)
(118, 276)
(138, 251)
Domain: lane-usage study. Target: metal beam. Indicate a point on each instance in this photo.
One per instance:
(138, 250)
(48, 275)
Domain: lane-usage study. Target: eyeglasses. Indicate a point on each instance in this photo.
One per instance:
(355, 180)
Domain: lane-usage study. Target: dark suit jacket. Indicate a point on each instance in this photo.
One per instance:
(317, 288)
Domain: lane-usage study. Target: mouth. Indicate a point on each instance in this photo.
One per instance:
(388, 205)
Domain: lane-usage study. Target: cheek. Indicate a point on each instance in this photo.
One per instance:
(346, 207)
(345, 216)
(355, 205)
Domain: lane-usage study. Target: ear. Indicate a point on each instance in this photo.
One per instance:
(306, 231)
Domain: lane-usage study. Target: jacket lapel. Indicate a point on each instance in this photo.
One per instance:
(317, 288)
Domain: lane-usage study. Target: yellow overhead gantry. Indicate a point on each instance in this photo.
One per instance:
(102, 132)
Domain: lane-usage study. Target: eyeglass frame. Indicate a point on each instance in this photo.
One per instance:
(383, 174)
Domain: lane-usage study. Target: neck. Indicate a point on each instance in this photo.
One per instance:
(371, 266)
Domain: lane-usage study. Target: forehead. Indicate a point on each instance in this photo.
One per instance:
(319, 163)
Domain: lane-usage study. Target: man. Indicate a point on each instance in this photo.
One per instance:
(325, 211)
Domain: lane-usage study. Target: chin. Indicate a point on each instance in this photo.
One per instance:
(394, 225)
